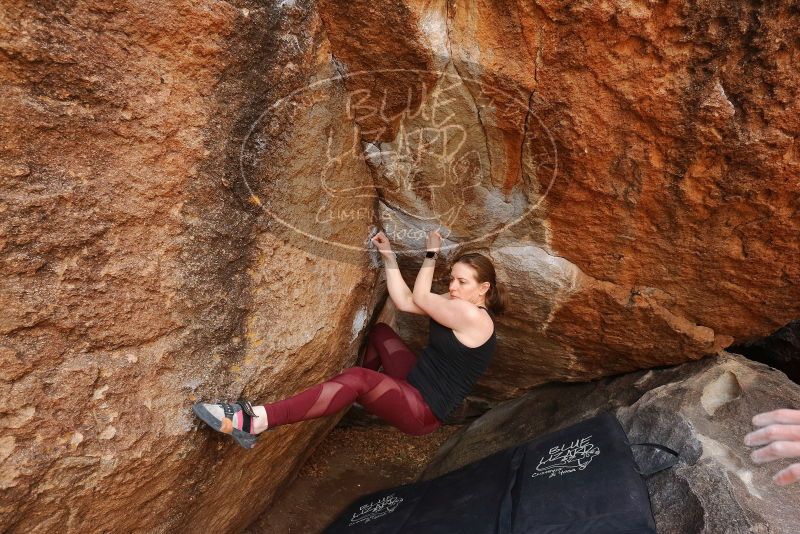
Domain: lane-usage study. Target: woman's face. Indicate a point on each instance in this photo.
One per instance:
(464, 284)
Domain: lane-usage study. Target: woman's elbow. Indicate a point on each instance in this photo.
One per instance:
(403, 304)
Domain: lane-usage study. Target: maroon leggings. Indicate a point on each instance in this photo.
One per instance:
(388, 395)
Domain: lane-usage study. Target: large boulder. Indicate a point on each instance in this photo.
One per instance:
(656, 160)
(139, 273)
(188, 189)
(700, 409)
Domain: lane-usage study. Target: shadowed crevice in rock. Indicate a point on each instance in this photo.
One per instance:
(384, 41)
(780, 350)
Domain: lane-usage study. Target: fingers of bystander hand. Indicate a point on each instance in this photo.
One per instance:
(771, 433)
(783, 416)
(780, 437)
(775, 451)
(787, 476)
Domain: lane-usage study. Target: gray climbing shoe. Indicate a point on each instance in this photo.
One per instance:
(225, 425)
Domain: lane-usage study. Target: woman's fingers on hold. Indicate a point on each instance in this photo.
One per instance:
(773, 433)
(775, 451)
(787, 476)
(782, 416)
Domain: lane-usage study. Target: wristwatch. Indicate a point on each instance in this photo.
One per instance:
(431, 254)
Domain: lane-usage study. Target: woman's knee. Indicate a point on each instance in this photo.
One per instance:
(359, 373)
(356, 378)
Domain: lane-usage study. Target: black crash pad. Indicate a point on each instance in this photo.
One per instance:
(581, 479)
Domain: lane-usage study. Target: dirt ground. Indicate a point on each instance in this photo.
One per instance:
(351, 462)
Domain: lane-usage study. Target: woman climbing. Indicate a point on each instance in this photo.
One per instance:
(413, 395)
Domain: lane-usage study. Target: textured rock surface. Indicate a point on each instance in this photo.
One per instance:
(669, 227)
(645, 154)
(137, 278)
(185, 204)
(678, 144)
(700, 409)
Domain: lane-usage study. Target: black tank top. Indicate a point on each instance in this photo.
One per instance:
(447, 369)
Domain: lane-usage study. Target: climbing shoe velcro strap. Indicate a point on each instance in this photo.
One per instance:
(246, 407)
(246, 422)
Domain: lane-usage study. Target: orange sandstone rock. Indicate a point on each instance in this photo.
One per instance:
(188, 190)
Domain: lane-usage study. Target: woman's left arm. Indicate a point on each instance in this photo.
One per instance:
(452, 313)
(424, 281)
(422, 285)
